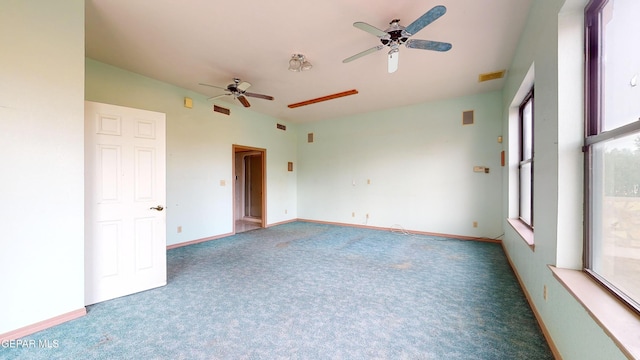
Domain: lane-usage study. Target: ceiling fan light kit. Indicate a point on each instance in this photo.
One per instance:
(396, 35)
(392, 64)
(299, 63)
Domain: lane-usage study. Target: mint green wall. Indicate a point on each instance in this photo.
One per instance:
(551, 46)
(199, 151)
(420, 162)
(403, 151)
(42, 162)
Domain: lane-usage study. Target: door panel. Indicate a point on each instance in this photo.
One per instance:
(125, 239)
(144, 232)
(108, 173)
(108, 237)
(145, 175)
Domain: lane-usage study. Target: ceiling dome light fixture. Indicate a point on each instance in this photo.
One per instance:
(299, 63)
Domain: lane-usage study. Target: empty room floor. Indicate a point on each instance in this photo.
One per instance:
(314, 291)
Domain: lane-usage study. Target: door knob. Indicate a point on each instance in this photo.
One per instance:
(159, 208)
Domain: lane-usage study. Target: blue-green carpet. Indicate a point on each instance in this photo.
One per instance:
(313, 291)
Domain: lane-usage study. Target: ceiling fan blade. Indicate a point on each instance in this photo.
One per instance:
(260, 96)
(370, 29)
(243, 86)
(426, 19)
(213, 86)
(428, 45)
(361, 54)
(218, 96)
(244, 101)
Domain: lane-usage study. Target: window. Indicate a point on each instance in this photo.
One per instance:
(525, 167)
(612, 148)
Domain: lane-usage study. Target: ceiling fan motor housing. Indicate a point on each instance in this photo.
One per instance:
(234, 87)
(396, 34)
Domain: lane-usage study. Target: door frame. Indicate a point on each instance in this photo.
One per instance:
(263, 154)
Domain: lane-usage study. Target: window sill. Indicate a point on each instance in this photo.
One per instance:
(614, 317)
(525, 232)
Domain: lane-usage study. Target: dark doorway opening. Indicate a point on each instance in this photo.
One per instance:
(249, 190)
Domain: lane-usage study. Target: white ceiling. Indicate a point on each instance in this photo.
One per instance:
(212, 41)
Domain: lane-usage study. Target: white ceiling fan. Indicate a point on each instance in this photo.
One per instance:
(239, 91)
(396, 35)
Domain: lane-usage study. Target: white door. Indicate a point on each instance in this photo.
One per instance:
(125, 231)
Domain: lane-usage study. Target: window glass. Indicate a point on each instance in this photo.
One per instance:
(527, 130)
(526, 160)
(613, 147)
(615, 199)
(620, 63)
(525, 194)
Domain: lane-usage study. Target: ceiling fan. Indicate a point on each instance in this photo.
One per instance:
(396, 35)
(239, 91)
